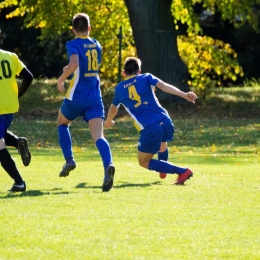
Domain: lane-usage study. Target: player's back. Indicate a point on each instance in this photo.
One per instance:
(138, 97)
(85, 80)
(9, 68)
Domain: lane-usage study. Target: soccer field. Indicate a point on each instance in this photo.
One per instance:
(215, 215)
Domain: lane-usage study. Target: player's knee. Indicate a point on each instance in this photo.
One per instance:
(143, 163)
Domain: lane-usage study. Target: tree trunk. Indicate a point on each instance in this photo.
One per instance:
(156, 42)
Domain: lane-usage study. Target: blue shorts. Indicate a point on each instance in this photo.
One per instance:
(153, 135)
(5, 122)
(89, 109)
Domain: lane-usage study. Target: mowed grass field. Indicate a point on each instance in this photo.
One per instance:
(215, 215)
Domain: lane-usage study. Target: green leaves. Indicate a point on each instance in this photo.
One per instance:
(209, 61)
(54, 18)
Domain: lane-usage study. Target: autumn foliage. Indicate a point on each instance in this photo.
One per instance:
(210, 62)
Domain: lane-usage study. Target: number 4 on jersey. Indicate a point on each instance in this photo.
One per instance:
(134, 95)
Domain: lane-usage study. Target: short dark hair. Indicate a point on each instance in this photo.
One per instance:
(132, 65)
(81, 22)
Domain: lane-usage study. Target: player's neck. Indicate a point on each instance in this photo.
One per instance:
(85, 34)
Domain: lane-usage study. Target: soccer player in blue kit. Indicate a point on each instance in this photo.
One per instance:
(83, 97)
(136, 94)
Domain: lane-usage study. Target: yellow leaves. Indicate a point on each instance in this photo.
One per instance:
(209, 61)
(54, 18)
(234, 77)
(218, 70)
(185, 11)
(237, 69)
(207, 56)
(42, 24)
(8, 3)
(20, 11)
(8, 16)
(77, 149)
(213, 148)
(226, 46)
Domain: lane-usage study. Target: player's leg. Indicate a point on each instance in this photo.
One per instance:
(65, 142)
(6, 160)
(94, 115)
(149, 144)
(163, 155)
(11, 139)
(146, 161)
(21, 144)
(96, 130)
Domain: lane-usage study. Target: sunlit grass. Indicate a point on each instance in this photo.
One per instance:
(143, 217)
(215, 215)
(237, 94)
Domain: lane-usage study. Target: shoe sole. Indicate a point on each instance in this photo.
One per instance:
(14, 190)
(24, 151)
(17, 189)
(66, 172)
(109, 183)
(182, 183)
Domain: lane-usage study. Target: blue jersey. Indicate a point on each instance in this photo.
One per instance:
(85, 82)
(137, 95)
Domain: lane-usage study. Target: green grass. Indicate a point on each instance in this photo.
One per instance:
(216, 215)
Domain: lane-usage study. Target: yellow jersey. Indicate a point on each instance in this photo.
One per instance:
(10, 67)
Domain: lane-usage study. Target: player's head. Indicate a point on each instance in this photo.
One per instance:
(132, 66)
(81, 23)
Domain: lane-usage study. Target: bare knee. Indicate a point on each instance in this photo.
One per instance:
(62, 120)
(144, 163)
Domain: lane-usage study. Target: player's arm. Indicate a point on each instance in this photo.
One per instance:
(67, 71)
(189, 96)
(27, 78)
(110, 115)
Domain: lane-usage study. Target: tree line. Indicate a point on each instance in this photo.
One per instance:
(189, 43)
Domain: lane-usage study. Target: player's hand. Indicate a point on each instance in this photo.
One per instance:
(191, 97)
(109, 123)
(60, 86)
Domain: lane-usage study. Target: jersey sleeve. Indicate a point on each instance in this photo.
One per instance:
(152, 80)
(71, 49)
(99, 49)
(18, 64)
(116, 102)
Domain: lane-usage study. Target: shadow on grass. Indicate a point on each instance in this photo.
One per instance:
(34, 193)
(84, 185)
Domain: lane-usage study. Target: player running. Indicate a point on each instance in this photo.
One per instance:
(83, 97)
(136, 94)
(10, 67)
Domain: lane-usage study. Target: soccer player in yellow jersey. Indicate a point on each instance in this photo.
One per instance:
(10, 67)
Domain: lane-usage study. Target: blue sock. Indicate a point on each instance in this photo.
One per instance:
(163, 166)
(104, 151)
(65, 141)
(163, 155)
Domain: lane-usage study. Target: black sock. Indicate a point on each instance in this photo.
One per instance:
(9, 165)
(11, 139)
